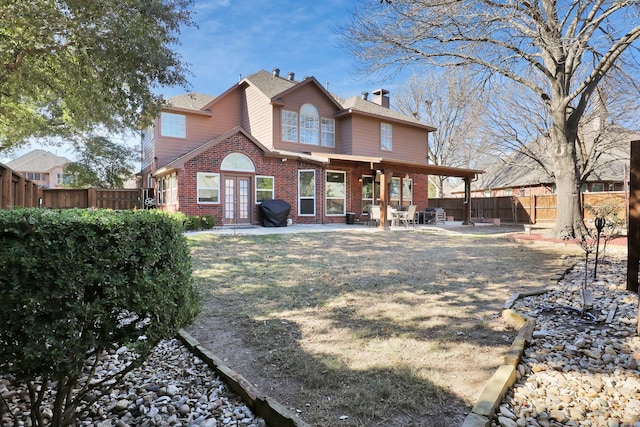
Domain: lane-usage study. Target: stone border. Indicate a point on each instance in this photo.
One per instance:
(262, 405)
(505, 376)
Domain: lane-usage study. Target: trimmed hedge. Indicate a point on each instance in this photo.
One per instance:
(75, 283)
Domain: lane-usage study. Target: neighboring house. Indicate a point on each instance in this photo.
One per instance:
(271, 137)
(42, 167)
(520, 175)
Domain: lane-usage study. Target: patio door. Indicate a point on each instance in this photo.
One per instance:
(237, 199)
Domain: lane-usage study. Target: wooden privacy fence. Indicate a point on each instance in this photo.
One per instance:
(15, 190)
(100, 198)
(528, 209)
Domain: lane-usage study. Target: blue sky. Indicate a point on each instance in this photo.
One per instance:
(234, 39)
(237, 38)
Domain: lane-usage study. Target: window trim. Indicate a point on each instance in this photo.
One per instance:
(173, 129)
(315, 184)
(343, 198)
(309, 135)
(325, 121)
(293, 126)
(386, 136)
(207, 188)
(273, 187)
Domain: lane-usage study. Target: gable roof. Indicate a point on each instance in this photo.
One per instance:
(356, 104)
(274, 87)
(37, 161)
(190, 101)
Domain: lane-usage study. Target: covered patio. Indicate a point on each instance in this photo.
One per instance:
(384, 170)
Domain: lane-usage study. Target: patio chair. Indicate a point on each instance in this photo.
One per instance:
(440, 215)
(374, 214)
(408, 216)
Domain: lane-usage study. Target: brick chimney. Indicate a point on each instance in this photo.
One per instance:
(381, 97)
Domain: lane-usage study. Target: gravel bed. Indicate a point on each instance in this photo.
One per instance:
(172, 388)
(579, 371)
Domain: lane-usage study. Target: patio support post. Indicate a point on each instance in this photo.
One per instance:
(385, 180)
(466, 206)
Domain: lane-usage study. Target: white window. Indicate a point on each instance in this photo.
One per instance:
(394, 192)
(289, 126)
(264, 188)
(174, 125)
(367, 192)
(328, 132)
(237, 162)
(336, 193)
(306, 193)
(386, 136)
(208, 187)
(309, 124)
(168, 189)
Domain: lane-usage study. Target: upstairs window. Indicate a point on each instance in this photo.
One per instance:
(386, 136)
(237, 162)
(289, 126)
(309, 124)
(328, 132)
(174, 125)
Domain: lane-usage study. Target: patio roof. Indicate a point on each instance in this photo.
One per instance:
(406, 167)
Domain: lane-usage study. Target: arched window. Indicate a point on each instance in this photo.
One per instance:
(309, 124)
(237, 162)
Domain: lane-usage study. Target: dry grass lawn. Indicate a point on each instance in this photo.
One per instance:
(395, 328)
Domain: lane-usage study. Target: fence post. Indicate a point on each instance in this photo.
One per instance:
(533, 207)
(633, 233)
(5, 187)
(92, 198)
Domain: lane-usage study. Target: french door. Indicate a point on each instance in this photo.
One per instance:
(237, 199)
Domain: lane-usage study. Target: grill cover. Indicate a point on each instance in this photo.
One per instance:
(274, 212)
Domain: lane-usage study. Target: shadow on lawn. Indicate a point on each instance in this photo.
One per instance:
(315, 319)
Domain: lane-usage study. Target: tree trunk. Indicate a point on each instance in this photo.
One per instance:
(569, 223)
(569, 219)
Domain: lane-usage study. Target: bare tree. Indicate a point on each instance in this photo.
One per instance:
(520, 124)
(560, 51)
(452, 104)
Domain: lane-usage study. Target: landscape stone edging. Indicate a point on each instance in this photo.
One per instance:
(505, 376)
(262, 405)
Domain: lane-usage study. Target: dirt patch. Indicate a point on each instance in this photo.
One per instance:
(396, 328)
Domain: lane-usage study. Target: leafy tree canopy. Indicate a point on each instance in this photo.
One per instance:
(70, 66)
(101, 164)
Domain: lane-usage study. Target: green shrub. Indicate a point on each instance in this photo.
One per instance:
(195, 223)
(77, 283)
(192, 223)
(208, 222)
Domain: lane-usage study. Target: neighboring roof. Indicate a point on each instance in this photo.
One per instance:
(519, 170)
(37, 161)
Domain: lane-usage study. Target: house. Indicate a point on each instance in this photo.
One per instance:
(42, 167)
(520, 175)
(273, 137)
